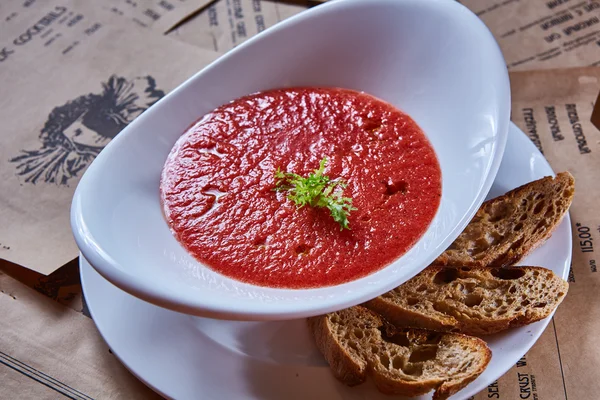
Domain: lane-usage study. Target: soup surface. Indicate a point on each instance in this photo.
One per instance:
(217, 187)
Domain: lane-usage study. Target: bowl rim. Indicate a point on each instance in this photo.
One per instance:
(146, 289)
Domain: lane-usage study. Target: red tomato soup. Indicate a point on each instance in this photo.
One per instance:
(217, 187)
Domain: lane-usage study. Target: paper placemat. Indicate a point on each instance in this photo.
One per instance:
(48, 351)
(228, 23)
(538, 34)
(160, 15)
(553, 107)
(75, 80)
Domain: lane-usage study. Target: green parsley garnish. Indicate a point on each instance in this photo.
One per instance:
(316, 190)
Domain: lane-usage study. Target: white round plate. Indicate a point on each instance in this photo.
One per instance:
(186, 357)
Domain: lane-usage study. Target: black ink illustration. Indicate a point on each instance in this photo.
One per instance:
(77, 131)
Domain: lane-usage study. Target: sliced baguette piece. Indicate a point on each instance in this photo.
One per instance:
(357, 342)
(471, 300)
(509, 227)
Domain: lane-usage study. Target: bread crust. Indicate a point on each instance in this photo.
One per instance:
(507, 228)
(472, 300)
(357, 342)
(344, 367)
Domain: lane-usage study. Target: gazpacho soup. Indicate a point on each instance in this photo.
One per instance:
(301, 187)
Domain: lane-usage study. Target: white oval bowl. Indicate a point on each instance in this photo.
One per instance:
(433, 59)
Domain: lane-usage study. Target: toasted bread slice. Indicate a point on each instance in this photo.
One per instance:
(357, 342)
(473, 301)
(509, 227)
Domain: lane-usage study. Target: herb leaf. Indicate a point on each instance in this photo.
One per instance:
(316, 190)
